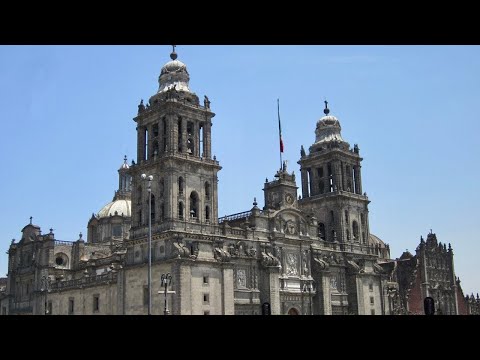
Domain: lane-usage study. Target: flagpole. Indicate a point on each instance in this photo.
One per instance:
(280, 134)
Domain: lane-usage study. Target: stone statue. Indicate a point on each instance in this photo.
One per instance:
(302, 152)
(206, 102)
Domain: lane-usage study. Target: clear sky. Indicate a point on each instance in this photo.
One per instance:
(66, 115)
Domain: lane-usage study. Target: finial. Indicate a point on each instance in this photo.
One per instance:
(80, 236)
(326, 111)
(125, 159)
(31, 220)
(255, 201)
(173, 55)
(51, 230)
(141, 107)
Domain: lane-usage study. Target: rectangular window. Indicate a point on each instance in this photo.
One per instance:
(117, 230)
(206, 299)
(71, 306)
(372, 312)
(372, 300)
(205, 279)
(370, 287)
(96, 303)
(49, 308)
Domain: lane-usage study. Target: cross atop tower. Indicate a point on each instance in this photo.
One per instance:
(173, 55)
(326, 111)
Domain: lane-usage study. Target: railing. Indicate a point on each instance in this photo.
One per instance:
(61, 242)
(242, 215)
(96, 279)
(351, 247)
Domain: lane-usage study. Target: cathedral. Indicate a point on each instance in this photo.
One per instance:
(159, 246)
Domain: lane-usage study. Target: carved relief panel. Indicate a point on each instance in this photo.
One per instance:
(291, 264)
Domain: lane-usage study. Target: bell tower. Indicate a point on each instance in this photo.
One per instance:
(332, 185)
(174, 146)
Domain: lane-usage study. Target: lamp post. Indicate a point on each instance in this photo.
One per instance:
(45, 288)
(308, 286)
(166, 281)
(149, 178)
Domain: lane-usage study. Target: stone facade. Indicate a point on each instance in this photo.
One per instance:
(308, 254)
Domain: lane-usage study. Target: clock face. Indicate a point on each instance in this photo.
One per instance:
(289, 199)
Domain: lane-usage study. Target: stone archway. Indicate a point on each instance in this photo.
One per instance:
(293, 311)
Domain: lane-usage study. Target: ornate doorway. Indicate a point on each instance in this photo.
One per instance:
(293, 311)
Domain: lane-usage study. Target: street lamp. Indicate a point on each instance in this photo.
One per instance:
(149, 178)
(308, 286)
(166, 281)
(46, 281)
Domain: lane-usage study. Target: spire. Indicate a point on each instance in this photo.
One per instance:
(326, 111)
(173, 55)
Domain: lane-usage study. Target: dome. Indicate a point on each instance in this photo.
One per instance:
(328, 128)
(117, 207)
(174, 66)
(375, 240)
(174, 76)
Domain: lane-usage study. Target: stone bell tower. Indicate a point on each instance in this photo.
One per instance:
(332, 185)
(174, 146)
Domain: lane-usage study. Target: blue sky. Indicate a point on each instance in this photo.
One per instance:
(67, 114)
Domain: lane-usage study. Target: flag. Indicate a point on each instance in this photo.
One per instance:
(280, 127)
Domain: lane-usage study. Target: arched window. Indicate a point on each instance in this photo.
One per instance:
(330, 177)
(180, 135)
(200, 139)
(193, 205)
(207, 190)
(207, 213)
(355, 231)
(190, 136)
(165, 134)
(180, 210)
(146, 154)
(152, 212)
(321, 231)
(348, 170)
(321, 187)
(155, 130)
(161, 187)
(180, 185)
(139, 195)
(162, 211)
